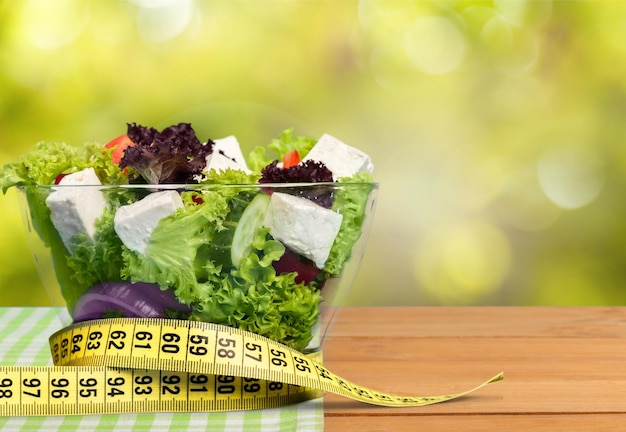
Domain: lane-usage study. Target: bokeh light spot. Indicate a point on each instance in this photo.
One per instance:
(475, 17)
(162, 20)
(570, 177)
(497, 35)
(53, 24)
(525, 12)
(462, 263)
(434, 45)
(522, 203)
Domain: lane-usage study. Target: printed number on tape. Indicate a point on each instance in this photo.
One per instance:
(124, 365)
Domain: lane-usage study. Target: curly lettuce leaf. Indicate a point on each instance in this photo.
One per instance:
(309, 171)
(47, 160)
(351, 202)
(286, 142)
(173, 155)
(228, 176)
(42, 165)
(101, 161)
(254, 298)
(94, 261)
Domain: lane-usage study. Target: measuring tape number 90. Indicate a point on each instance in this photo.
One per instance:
(123, 365)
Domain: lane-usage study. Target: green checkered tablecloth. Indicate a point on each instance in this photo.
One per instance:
(24, 336)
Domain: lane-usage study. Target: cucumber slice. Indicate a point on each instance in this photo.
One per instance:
(249, 223)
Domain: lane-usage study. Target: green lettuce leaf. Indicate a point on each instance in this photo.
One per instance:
(228, 176)
(258, 158)
(179, 241)
(254, 298)
(94, 261)
(351, 202)
(42, 165)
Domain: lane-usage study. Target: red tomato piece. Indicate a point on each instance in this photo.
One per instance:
(118, 145)
(291, 158)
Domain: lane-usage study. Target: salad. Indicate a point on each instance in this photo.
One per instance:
(160, 224)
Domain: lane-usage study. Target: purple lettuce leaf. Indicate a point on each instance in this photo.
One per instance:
(174, 155)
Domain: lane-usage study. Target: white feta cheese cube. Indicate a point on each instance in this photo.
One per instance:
(231, 148)
(135, 222)
(74, 210)
(219, 162)
(303, 226)
(226, 154)
(342, 159)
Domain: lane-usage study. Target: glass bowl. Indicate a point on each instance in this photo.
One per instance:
(273, 259)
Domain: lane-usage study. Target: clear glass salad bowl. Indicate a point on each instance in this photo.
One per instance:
(273, 259)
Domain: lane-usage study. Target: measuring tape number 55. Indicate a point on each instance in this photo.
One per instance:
(124, 365)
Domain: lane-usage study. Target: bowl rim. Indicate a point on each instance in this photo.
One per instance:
(203, 186)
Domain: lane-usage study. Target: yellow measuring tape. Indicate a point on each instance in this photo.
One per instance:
(124, 365)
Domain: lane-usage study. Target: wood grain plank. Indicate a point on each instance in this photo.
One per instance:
(473, 423)
(564, 365)
(566, 322)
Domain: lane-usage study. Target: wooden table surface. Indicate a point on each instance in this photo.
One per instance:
(564, 367)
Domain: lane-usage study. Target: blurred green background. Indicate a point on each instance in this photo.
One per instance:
(496, 127)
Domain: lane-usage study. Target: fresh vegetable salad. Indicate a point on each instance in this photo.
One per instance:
(161, 224)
